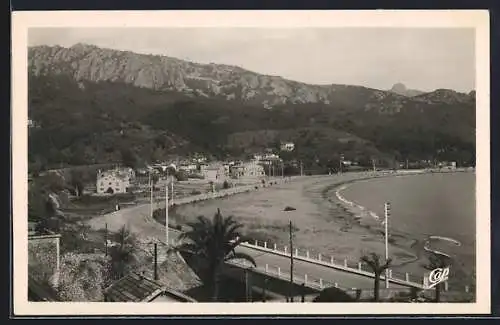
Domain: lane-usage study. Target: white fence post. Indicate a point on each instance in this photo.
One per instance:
(319, 257)
(336, 285)
(307, 254)
(390, 274)
(359, 266)
(275, 247)
(331, 260)
(305, 279)
(265, 244)
(296, 252)
(345, 262)
(279, 272)
(407, 277)
(256, 243)
(267, 268)
(321, 283)
(446, 286)
(285, 249)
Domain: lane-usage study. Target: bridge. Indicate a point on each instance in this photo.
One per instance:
(314, 272)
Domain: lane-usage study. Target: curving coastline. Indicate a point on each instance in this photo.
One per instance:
(360, 212)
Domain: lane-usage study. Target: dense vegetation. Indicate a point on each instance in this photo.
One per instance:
(86, 123)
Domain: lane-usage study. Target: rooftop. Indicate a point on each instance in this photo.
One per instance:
(134, 288)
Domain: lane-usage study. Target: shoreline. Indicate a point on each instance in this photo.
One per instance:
(361, 216)
(324, 224)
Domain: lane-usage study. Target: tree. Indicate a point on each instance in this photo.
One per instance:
(129, 158)
(374, 263)
(437, 261)
(77, 182)
(214, 242)
(123, 254)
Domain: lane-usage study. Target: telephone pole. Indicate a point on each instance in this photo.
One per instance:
(106, 239)
(291, 262)
(386, 228)
(156, 262)
(151, 195)
(166, 214)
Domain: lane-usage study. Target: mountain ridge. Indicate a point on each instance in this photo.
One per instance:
(118, 102)
(159, 72)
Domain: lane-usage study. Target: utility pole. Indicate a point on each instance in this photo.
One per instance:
(373, 163)
(151, 195)
(291, 262)
(166, 214)
(386, 226)
(106, 239)
(156, 262)
(340, 163)
(172, 190)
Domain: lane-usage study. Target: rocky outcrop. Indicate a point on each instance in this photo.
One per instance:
(401, 89)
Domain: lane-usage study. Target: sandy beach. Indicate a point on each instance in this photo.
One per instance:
(323, 223)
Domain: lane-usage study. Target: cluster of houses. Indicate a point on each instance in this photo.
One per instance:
(121, 180)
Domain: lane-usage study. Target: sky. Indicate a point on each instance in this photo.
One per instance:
(421, 58)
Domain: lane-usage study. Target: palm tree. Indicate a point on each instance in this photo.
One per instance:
(123, 254)
(437, 261)
(214, 242)
(374, 263)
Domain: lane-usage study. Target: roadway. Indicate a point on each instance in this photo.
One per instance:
(138, 221)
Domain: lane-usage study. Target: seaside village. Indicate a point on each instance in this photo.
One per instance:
(198, 171)
(77, 246)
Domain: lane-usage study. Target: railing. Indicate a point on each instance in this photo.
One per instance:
(329, 261)
(298, 278)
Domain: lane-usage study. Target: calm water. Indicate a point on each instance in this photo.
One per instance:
(424, 205)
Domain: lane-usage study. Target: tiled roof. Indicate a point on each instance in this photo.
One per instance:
(134, 288)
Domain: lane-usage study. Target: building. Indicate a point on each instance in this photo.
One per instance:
(251, 169)
(287, 146)
(114, 181)
(46, 244)
(214, 172)
(138, 288)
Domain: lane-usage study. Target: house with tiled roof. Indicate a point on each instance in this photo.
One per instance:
(114, 181)
(136, 287)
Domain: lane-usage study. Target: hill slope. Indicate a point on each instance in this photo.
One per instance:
(121, 102)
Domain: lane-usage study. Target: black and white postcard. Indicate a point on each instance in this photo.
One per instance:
(251, 162)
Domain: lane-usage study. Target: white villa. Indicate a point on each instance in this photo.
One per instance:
(114, 181)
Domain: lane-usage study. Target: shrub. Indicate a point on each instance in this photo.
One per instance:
(225, 185)
(178, 227)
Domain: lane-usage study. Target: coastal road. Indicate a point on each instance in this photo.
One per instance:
(138, 220)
